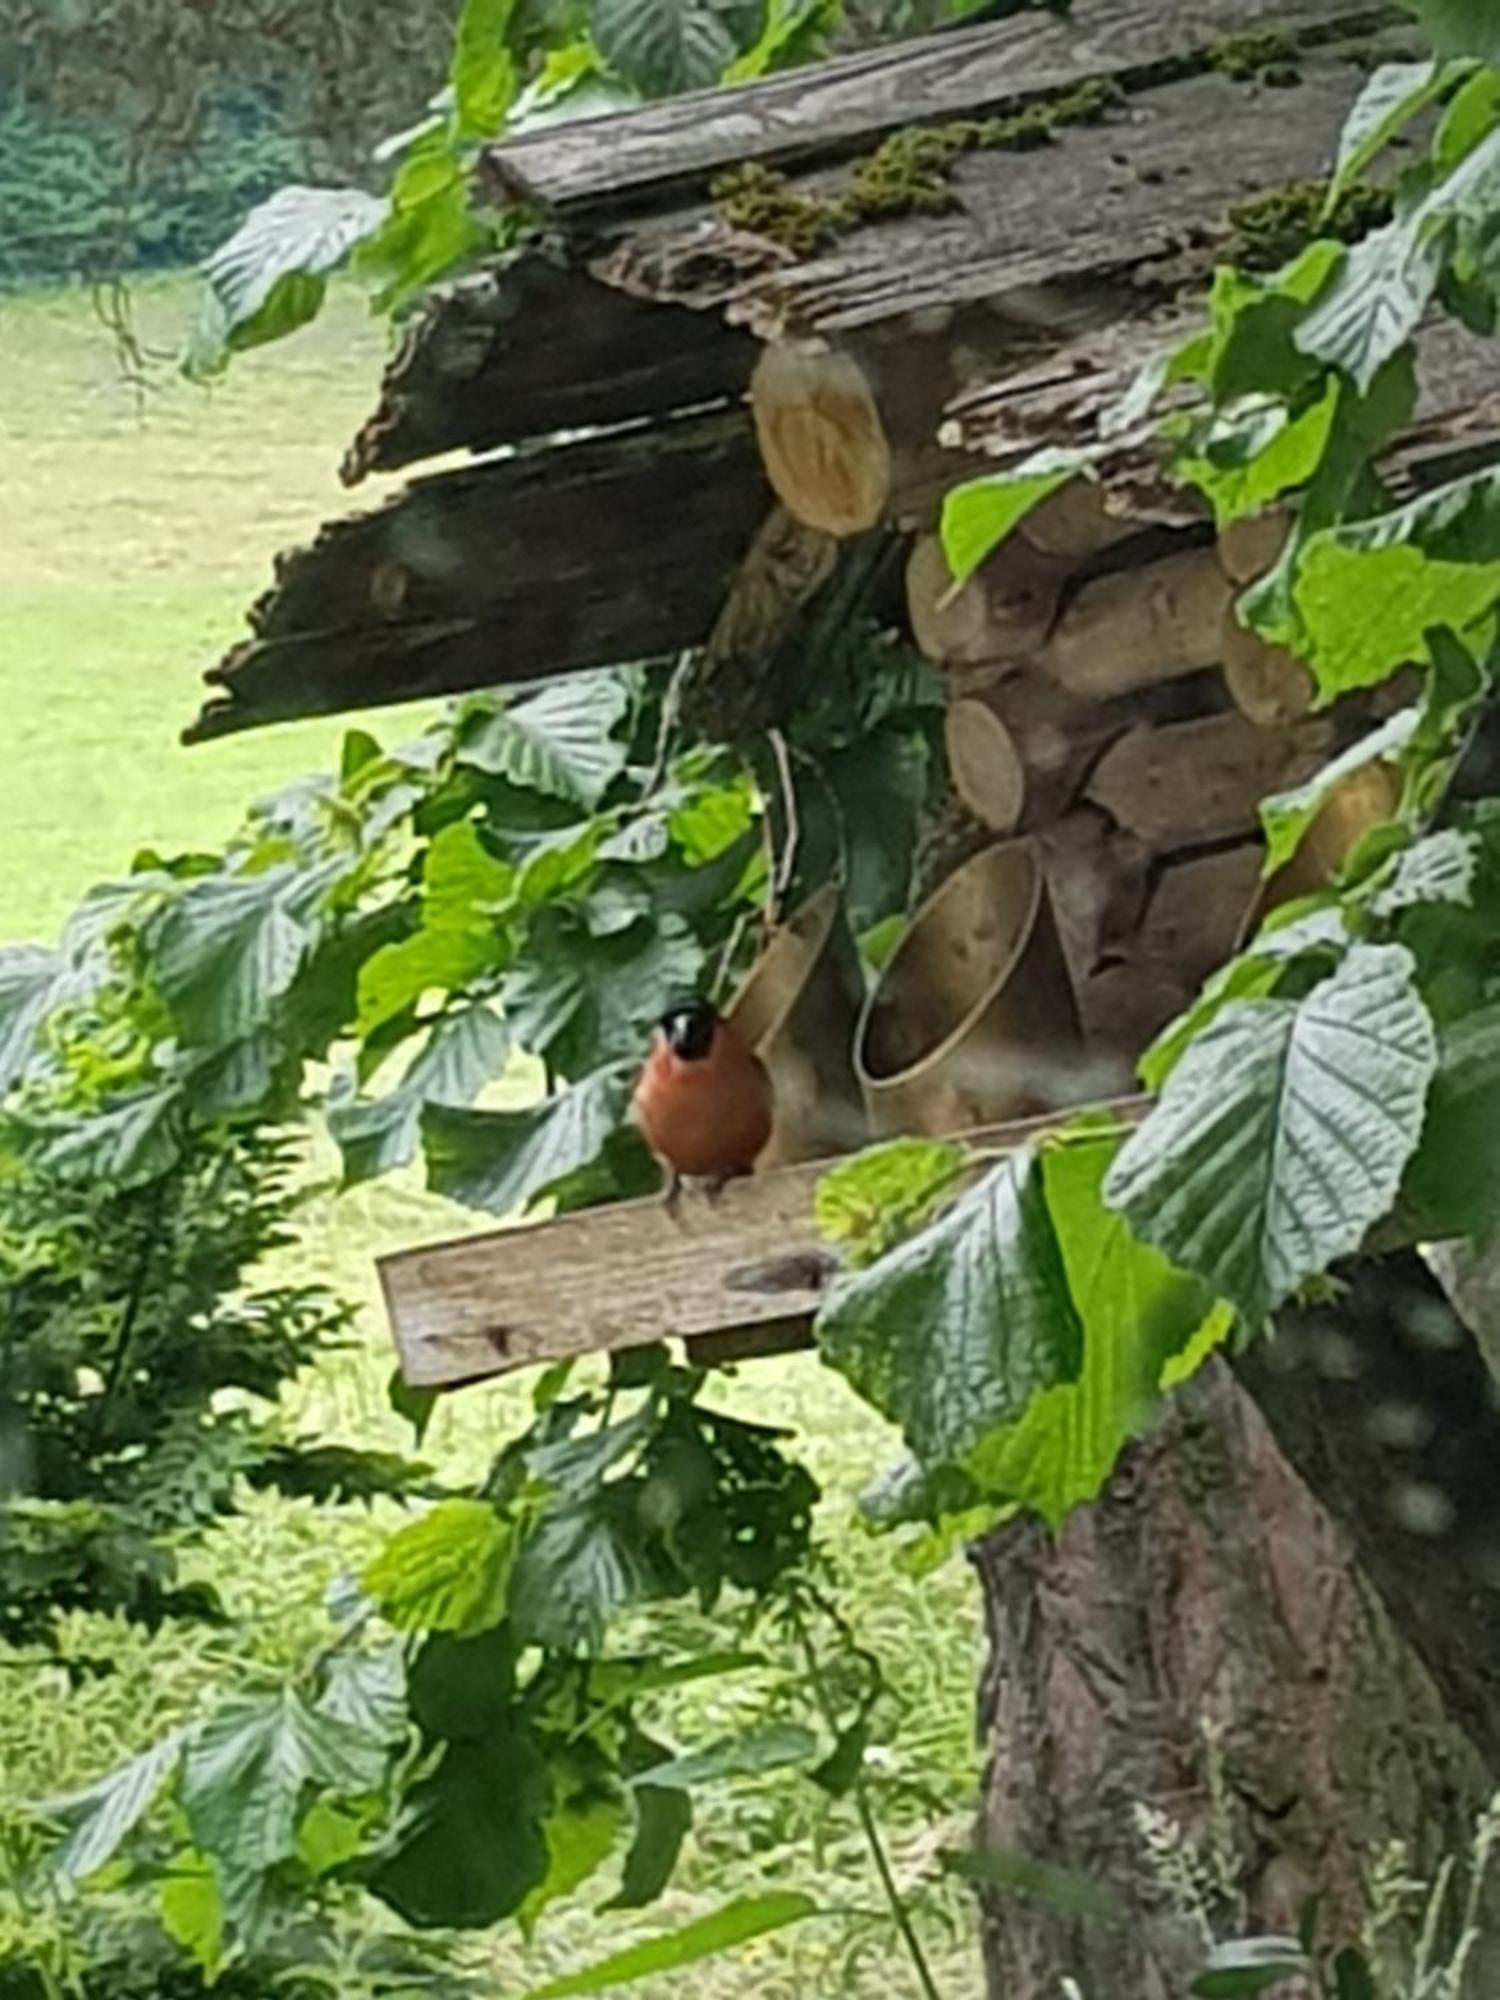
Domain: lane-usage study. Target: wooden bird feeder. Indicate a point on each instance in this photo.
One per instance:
(730, 361)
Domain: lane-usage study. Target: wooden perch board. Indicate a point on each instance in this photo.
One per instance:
(740, 1275)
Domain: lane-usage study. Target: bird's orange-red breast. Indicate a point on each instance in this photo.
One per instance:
(703, 1102)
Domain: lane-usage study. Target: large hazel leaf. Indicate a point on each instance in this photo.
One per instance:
(1139, 1315)
(663, 46)
(1454, 1180)
(468, 1848)
(28, 979)
(447, 1572)
(952, 1334)
(271, 275)
(249, 1767)
(1390, 99)
(1282, 1134)
(504, 1160)
(1369, 596)
(377, 1135)
(100, 1819)
(226, 949)
(560, 741)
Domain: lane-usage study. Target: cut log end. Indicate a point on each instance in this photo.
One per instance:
(1001, 614)
(985, 765)
(821, 438)
(1268, 686)
(1135, 627)
(1253, 544)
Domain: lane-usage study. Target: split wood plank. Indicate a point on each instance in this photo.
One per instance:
(811, 114)
(741, 1274)
(598, 553)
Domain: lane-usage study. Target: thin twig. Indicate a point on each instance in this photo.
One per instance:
(870, 1827)
(125, 1336)
(781, 880)
(671, 706)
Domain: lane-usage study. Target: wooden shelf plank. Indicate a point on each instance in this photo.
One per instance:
(737, 1275)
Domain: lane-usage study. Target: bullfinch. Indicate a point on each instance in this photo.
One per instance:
(703, 1101)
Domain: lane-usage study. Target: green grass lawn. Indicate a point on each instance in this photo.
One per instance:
(133, 533)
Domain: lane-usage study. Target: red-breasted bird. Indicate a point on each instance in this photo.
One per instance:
(703, 1102)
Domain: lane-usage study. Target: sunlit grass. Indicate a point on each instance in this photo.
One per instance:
(132, 537)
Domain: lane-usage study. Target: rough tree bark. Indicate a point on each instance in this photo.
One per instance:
(1261, 1636)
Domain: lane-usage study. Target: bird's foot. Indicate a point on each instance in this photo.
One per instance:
(672, 1194)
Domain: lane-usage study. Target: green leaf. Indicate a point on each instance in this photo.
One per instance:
(1319, 933)
(773, 1748)
(663, 46)
(869, 1202)
(431, 960)
(1441, 868)
(1249, 1966)
(979, 515)
(581, 1000)
(1454, 1180)
(560, 742)
(1282, 1134)
(367, 1690)
(29, 978)
(447, 1572)
(952, 1334)
(463, 883)
(1391, 98)
(468, 1847)
(101, 1819)
(1137, 1313)
(880, 786)
(226, 950)
(505, 1160)
(795, 32)
(135, 1140)
(483, 72)
(1368, 595)
(248, 1769)
(737, 1923)
(192, 1910)
(1253, 453)
(580, 1830)
(464, 1051)
(577, 1569)
(271, 275)
(430, 228)
(1459, 27)
(663, 1818)
(460, 1688)
(1286, 816)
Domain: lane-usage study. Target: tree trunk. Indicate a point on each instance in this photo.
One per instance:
(1196, 1697)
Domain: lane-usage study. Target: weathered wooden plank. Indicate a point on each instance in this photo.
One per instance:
(1202, 781)
(637, 161)
(604, 552)
(749, 1265)
(1111, 198)
(482, 365)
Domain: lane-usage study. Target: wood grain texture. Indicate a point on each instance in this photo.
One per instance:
(652, 155)
(624, 1276)
(499, 573)
(1196, 782)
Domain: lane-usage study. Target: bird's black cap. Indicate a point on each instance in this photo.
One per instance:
(688, 1027)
